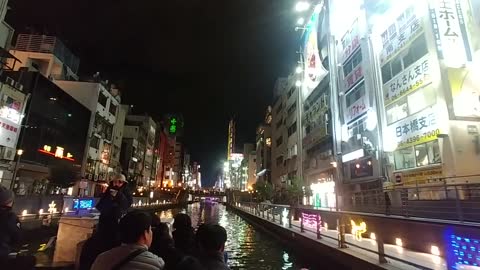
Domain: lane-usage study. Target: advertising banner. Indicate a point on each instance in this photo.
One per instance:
(8, 132)
(351, 41)
(409, 80)
(314, 71)
(450, 32)
(418, 176)
(418, 128)
(355, 76)
(358, 108)
(404, 28)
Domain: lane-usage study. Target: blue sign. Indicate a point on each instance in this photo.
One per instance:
(82, 204)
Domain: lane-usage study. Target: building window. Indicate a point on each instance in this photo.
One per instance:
(113, 109)
(279, 108)
(268, 141)
(95, 142)
(417, 156)
(411, 104)
(355, 94)
(414, 52)
(350, 65)
(279, 124)
(279, 161)
(292, 108)
(279, 141)
(102, 99)
(292, 129)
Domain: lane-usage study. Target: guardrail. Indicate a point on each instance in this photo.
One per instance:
(347, 229)
(460, 202)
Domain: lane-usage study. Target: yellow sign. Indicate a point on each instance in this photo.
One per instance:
(358, 230)
(420, 176)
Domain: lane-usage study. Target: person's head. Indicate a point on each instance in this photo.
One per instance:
(6, 197)
(119, 180)
(211, 238)
(189, 263)
(182, 221)
(136, 228)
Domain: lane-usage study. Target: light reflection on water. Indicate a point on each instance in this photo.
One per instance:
(247, 248)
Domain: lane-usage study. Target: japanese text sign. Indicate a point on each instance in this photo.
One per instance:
(418, 128)
(412, 78)
(8, 133)
(354, 76)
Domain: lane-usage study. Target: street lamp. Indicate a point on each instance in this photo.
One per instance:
(302, 6)
(298, 70)
(15, 169)
(301, 21)
(298, 83)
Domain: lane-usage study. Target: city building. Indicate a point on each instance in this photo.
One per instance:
(6, 31)
(264, 148)
(47, 55)
(231, 138)
(279, 131)
(319, 165)
(178, 164)
(160, 155)
(53, 136)
(103, 100)
(139, 142)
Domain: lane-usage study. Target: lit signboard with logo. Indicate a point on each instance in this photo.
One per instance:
(418, 128)
(409, 80)
(57, 152)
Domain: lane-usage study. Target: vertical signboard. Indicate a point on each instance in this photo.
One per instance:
(450, 32)
(314, 70)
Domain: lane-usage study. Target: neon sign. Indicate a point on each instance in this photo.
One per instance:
(358, 230)
(173, 126)
(309, 220)
(58, 153)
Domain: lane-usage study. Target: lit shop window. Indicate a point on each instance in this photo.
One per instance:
(404, 59)
(411, 104)
(417, 156)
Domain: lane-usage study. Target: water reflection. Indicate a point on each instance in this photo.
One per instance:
(247, 248)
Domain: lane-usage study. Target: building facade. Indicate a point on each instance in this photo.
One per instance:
(263, 148)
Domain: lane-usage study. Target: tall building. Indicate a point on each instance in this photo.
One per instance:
(394, 82)
(160, 155)
(103, 100)
(264, 148)
(6, 31)
(139, 138)
(231, 138)
(53, 137)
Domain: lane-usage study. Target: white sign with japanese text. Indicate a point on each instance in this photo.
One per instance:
(410, 79)
(354, 77)
(8, 132)
(419, 128)
(351, 41)
(358, 108)
(450, 32)
(400, 32)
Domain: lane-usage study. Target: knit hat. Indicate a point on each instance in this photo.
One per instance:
(6, 196)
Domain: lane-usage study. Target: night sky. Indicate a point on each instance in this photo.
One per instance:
(206, 59)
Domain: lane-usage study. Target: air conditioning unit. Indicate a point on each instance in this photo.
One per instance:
(10, 81)
(7, 153)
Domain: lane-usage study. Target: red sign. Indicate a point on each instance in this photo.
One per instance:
(354, 77)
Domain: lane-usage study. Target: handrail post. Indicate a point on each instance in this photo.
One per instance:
(341, 233)
(268, 213)
(273, 214)
(290, 217)
(457, 202)
(301, 222)
(381, 249)
(263, 211)
(318, 227)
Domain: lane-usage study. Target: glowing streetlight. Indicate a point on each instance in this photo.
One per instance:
(301, 21)
(19, 152)
(302, 6)
(298, 70)
(298, 83)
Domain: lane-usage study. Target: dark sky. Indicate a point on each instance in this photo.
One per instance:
(206, 59)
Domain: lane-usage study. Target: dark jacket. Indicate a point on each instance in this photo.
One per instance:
(119, 203)
(9, 231)
(184, 240)
(100, 242)
(165, 249)
(213, 261)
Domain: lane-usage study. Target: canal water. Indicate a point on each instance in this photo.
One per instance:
(246, 247)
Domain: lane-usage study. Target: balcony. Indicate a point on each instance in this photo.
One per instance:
(48, 44)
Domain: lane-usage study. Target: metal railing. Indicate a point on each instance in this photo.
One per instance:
(459, 202)
(283, 215)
